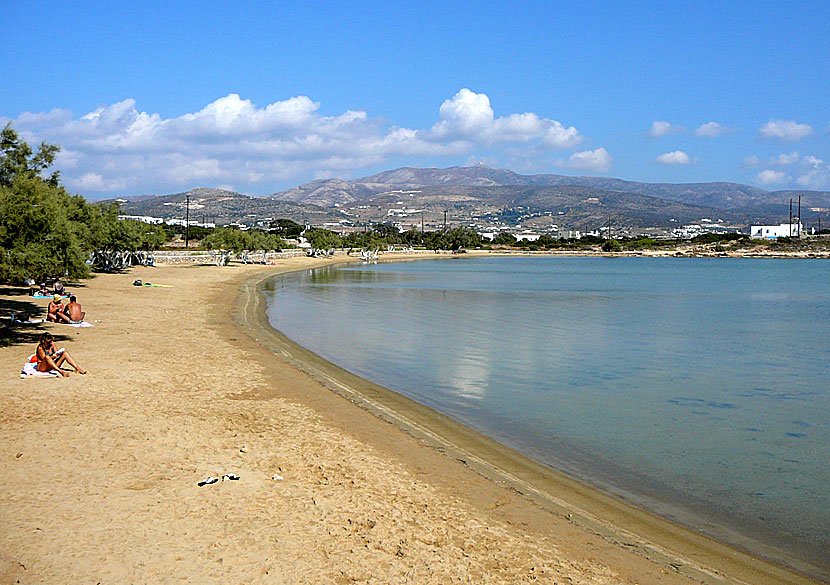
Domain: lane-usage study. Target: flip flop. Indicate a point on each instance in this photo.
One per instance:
(231, 476)
(208, 481)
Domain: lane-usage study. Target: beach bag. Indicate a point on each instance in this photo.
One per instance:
(137, 283)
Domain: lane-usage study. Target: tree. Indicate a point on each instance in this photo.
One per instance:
(286, 228)
(322, 239)
(504, 239)
(611, 246)
(46, 232)
(236, 240)
(17, 158)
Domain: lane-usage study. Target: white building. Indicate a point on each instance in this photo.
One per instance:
(771, 232)
(143, 218)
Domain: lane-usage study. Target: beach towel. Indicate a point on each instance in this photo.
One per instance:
(48, 296)
(29, 322)
(30, 371)
(81, 324)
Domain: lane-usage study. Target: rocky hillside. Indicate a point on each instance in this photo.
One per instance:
(717, 195)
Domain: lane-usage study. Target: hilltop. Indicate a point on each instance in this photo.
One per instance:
(488, 197)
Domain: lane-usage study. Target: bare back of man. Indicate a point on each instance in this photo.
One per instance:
(73, 311)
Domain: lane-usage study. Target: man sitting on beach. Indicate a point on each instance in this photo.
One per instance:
(56, 311)
(73, 311)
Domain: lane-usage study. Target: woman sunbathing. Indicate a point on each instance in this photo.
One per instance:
(49, 357)
(55, 311)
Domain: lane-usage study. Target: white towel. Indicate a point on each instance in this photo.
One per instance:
(30, 369)
(81, 324)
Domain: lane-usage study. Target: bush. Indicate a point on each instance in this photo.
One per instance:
(611, 246)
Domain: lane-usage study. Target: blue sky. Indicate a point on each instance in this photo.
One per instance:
(173, 95)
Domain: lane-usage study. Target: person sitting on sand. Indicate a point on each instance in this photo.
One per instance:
(55, 311)
(49, 357)
(73, 311)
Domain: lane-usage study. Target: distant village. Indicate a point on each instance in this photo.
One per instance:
(523, 233)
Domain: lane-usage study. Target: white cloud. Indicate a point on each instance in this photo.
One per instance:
(659, 129)
(232, 141)
(752, 161)
(787, 159)
(814, 173)
(785, 130)
(469, 116)
(810, 171)
(597, 161)
(677, 157)
(711, 130)
(771, 177)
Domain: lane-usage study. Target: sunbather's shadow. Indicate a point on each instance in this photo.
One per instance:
(21, 303)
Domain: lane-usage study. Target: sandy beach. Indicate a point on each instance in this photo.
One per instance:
(340, 481)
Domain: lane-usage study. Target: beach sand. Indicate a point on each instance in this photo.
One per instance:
(99, 472)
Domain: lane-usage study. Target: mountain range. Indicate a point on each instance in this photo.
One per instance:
(483, 196)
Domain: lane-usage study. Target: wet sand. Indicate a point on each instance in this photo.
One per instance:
(100, 471)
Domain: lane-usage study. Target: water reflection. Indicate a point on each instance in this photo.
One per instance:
(685, 374)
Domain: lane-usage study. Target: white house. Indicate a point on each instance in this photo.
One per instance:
(771, 232)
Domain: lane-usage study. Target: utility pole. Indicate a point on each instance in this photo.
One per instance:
(445, 220)
(422, 222)
(791, 218)
(187, 221)
(610, 236)
(799, 216)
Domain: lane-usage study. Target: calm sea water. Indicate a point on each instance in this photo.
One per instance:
(699, 388)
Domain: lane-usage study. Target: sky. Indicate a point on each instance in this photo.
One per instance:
(166, 96)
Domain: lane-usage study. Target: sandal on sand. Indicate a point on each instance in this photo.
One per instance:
(231, 476)
(208, 481)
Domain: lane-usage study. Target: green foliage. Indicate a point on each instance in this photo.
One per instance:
(322, 239)
(17, 158)
(286, 228)
(38, 236)
(46, 232)
(611, 246)
(547, 241)
(504, 239)
(639, 243)
(454, 239)
(236, 240)
(715, 238)
(368, 240)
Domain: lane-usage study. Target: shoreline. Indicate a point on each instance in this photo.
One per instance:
(100, 471)
(620, 522)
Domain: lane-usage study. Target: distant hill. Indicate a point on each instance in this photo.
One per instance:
(570, 206)
(718, 195)
(484, 196)
(222, 206)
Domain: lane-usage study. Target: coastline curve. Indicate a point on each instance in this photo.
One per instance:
(662, 541)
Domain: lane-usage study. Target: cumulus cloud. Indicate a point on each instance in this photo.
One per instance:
(469, 116)
(597, 161)
(118, 147)
(659, 129)
(814, 173)
(785, 130)
(711, 130)
(787, 159)
(771, 177)
(752, 161)
(677, 157)
(810, 171)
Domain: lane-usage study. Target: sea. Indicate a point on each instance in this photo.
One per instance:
(698, 388)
